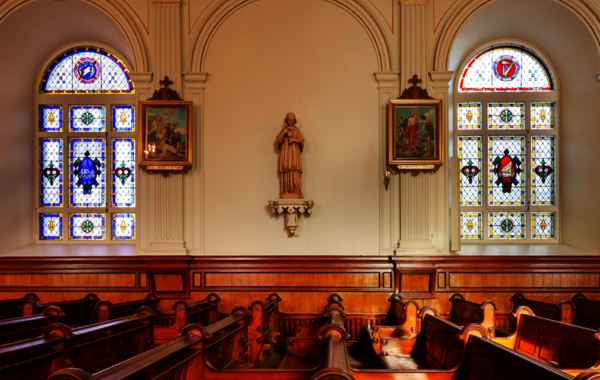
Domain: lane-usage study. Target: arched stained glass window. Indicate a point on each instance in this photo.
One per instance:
(506, 68)
(86, 70)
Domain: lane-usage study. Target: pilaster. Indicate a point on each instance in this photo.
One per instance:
(389, 200)
(193, 182)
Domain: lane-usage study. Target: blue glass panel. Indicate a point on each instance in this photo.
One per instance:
(123, 118)
(87, 226)
(87, 172)
(543, 225)
(51, 172)
(51, 118)
(87, 119)
(507, 225)
(472, 225)
(86, 70)
(51, 226)
(123, 164)
(123, 227)
(506, 115)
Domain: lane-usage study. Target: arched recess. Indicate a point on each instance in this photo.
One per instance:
(120, 17)
(204, 32)
(585, 10)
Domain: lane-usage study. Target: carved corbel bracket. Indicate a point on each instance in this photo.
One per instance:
(292, 209)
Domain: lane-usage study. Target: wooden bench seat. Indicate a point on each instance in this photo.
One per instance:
(572, 349)
(77, 312)
(203, 312)
(20, 328)
(12, 308)
(262, 331)
(464, 312)
(587, 312)
(106, 311)
(92, 347)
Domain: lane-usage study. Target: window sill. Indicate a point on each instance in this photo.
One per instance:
(520, 250)
(71, 250)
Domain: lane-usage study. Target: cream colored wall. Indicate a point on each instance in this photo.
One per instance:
(312, 58)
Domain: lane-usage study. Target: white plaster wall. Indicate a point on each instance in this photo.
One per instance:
(26, 38)
(568, 43)
(312, 58)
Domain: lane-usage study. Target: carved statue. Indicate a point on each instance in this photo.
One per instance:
(290, 144)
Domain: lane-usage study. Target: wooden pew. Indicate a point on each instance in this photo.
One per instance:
(262, 333)
(587, 312)
(562, 312)
(183, 358)
(464, 312)
(12, 308)
(77, 312)
(203, 312)
(572, 349)
(105, 310)
(15, 329)
(91, 348)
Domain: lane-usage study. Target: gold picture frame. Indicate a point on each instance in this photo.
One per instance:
(415, 135)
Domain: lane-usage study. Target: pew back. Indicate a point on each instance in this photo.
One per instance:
(465, 312)
(587, 312)
(12, 309)
(561, 312)
(15, 329)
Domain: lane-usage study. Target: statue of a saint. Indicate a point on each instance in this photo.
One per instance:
(290, 144)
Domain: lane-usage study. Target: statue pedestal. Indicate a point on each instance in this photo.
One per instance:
(292, 208)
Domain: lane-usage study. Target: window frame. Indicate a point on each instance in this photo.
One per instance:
(496, 97)
(66, 100)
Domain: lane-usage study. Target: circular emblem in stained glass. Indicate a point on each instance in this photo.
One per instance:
(87, 70)
(507, 225)
(506, 68)
(87, 118)
(506, 116)
(87, 226)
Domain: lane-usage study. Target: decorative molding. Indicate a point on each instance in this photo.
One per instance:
(383, 77)
(292, 208)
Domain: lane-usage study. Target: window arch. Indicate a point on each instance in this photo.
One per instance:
(507, 143)
(85, 137)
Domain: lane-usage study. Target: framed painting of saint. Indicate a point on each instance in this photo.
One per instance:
(415, 134)
(165, 136)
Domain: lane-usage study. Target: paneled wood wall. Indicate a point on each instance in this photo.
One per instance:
(304, 283)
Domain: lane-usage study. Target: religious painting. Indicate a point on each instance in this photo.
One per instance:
(415, 134)
(165, 136)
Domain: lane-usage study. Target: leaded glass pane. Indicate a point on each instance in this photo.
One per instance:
(87, 119)
(507, 225)
(506, 115)
(542, 115)
(471, 225)
(123, 226)
(51, 118)
(123, 164)
(505, 68)
(123, 118)
(87, 226)
(51, 226)
(469, 115)
(543, 225)
(51, 172)
(543, 166)
(506, 155)
(87, 164)
(86, 70)
(469, 153)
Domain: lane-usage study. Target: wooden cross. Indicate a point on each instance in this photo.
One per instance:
(414, 80)
(167, 82)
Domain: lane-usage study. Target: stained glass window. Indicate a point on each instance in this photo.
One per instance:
(123, 163)
(51, 172)
(51, 226)
(87, 172)
(469, 153)
(86, 70)
(506, 115)
(543, 225)
(123, 226)
(469, 115)
(87, 227)
(543, 167)
(87, 119)
(471, 225)
(506, 173)
(507, 225)
(51, 118)
(506, 68)
(123, 118)
(542, 115)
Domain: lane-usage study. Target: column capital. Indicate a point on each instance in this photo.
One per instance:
(441, 76)
(141, 77)
(166, 2)
(415, 2)
(389, 77)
